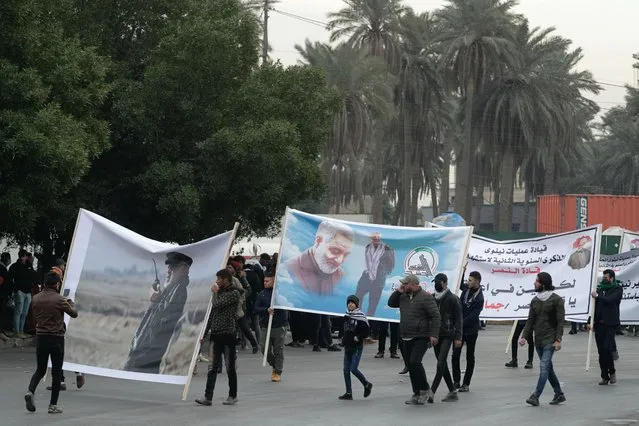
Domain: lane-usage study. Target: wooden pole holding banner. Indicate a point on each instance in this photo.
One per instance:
(464, 261)
(597, 250)
(270, 317)
(64, 278)
(510, 336)
(198, 345)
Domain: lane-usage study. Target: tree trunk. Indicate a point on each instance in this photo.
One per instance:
(525, 220)
(398, 208)
(550, 183)
(416, 187)
(378, 181)
(463, 186)
(407, 171)
(433, 195)
(444, 196)
(480, 204)
(507, 184)
(497, 195)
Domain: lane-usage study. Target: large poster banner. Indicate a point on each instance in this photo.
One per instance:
(509, 270)
(626, 267)
(141, 303)
(322, 261)
(629, 241)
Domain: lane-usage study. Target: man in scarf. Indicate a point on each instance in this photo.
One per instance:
(607, 300)
(356, 329)
(546, 318)
(380, 261)
(160, 321)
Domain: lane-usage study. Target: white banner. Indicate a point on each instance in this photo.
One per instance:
(142, 304)
(626, 267)
(509, 270)
(629, 241)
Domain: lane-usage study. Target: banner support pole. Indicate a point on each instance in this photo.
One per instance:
(198, 343)
(510, 336)
(597, 249)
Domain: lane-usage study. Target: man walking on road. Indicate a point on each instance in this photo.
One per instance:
(49, 308)
(419, 328)
(546, 318)
(607, 300)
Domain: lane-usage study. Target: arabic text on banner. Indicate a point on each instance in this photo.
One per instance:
(509, 270)
(125, 328)
(322, 261)
(626, 267)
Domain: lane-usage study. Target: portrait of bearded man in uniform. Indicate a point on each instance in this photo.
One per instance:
(162, 317)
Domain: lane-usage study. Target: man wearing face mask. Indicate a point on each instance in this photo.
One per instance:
(160, 321)
(472, 301)
(450, 332)
(319, 268)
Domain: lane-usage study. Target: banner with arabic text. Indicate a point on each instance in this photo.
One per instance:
(323, 261)
(626, 267)
(509, 270)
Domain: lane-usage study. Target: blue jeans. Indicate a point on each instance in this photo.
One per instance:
(351, 362)
(546, 370)
(22, 301)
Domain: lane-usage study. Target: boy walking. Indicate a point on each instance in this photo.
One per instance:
(49, 308)
(356, 329)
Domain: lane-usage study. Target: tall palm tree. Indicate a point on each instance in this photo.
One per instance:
(476, 42)
(372, 25)
(367, 88)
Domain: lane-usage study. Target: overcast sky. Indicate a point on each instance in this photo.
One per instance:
(607, 31)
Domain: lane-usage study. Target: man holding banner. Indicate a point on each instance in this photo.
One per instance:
(607, 300)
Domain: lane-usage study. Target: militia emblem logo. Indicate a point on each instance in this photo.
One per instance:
(421, 261)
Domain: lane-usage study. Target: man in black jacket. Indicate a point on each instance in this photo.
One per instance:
(472, 302)
(450, 331)
(607, 300)
(275, 356)
(419, 324)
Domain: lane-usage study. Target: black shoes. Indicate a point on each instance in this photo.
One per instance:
(533, 400)
(463, 388)
(368, 389)
(346, 397)
(529, 365)
(558, 399)
(512, 364)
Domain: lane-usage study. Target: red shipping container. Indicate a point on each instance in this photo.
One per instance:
(563, 213)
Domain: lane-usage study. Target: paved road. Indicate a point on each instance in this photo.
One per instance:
(312, 382)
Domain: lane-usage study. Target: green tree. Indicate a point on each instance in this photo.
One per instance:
(50, 127)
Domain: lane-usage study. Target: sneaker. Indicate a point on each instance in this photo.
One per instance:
(29, 400)
(394, 355)
(368, 389)
(230, 401)
(63, 387)
(615, 356)
(463, 388)
(512, 364)
(423, 396)
(451, 396)
(334, 348)
(558, 399)
(316, 348)
(54, 409)
(529, 365)
(613, 378)
(256, 349)
(346, 397)
(79, 380)
(404, 371)
(533, 400)
(276, 377)
(430, 396)
(572, 332)
(202, 358)
(379, 355)
(456, 385)
(204, 401)
(413, 400)
(604, 382)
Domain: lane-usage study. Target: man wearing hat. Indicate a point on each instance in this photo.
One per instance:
(419, 324)
(160, 321)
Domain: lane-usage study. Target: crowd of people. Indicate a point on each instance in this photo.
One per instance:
(441, 321)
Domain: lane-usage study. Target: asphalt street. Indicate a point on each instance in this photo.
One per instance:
(311, 383)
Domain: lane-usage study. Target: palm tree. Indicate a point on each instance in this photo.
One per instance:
(372, 25)
(367, 88)
(476, 42)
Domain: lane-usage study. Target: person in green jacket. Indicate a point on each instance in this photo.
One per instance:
(546, 318)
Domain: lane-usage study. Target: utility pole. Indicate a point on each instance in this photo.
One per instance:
(265, 35)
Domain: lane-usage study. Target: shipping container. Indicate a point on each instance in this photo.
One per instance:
(563, 213)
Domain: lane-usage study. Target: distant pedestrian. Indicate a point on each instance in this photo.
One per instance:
(546, 318)
(356, 329)
(49, 308)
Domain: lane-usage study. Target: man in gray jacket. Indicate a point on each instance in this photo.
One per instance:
(419, 326)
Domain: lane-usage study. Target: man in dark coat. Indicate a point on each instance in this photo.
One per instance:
(380, 261)
(154, 333)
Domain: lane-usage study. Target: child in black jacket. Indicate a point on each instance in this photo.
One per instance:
(356, 329)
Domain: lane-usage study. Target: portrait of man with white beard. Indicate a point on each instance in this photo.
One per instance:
(319, 268)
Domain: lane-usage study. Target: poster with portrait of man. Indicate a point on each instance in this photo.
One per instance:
(141, 303)
(322, 261)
